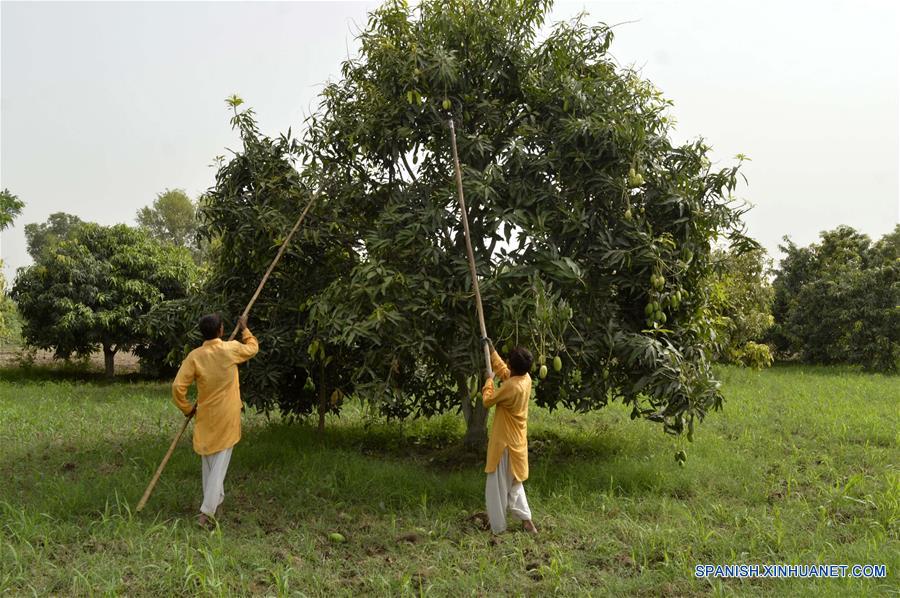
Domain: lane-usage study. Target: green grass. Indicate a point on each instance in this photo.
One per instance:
(800, 467)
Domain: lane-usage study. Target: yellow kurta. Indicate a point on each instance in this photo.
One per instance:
(510, 430)
(217, 424)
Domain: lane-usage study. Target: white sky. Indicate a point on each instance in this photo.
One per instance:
(106, 104)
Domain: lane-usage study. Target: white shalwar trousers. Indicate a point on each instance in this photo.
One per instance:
(502, 492)
(215, 466)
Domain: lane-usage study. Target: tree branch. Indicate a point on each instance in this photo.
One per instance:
(492, 246)
(409, 169)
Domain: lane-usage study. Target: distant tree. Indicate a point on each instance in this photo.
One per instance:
(7, 310)
(92, 290)
(743, 297)
(10, 207)
(171, 219)
(58, 227)
(841, 249)
(836, 301)
(887, 249)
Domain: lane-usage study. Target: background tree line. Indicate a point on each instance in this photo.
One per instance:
(832, 302)
(10, 208)
(838, 301)
(828, 303)
(91, 286)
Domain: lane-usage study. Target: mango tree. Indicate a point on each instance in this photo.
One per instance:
(742, 297)
(258, 195)
(172, 218)
(592, 229)
(836, 301)
(43, 237)
(94, 287)
(10, 207)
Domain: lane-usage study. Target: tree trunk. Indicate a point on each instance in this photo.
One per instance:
(476, 428)
(109, 355)
(323, 398)
(476, 418)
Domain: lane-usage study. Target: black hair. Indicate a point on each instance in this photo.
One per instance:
(520, 361)
(211, 326)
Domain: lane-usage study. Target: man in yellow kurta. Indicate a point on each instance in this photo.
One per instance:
(507, 454)
(217, 427)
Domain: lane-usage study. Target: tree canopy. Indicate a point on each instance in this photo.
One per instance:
(244, 218)
(58, 227)
(8, 319)
(92, 290)
(10, 208)
(172, 218)
(742, 296)
(836, 301)
(592, 229)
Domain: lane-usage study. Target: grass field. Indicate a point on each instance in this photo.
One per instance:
(801, 467)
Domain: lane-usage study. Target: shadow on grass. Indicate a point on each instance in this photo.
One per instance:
(282, 471)
(73, 372)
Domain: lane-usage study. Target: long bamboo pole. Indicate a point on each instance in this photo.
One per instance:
(471, 254)
(234, 332)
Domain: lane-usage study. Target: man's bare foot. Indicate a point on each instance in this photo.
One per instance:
(204, 521)
(529, 527)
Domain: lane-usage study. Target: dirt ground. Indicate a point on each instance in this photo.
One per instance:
(13, 355)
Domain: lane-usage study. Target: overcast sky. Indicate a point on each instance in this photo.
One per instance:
(106, 104)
